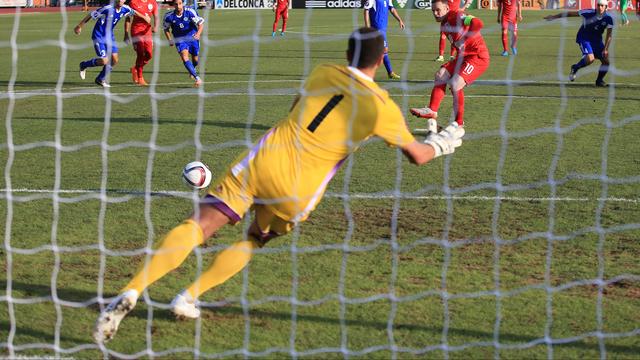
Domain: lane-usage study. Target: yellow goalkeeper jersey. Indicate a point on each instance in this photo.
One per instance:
(289, 168)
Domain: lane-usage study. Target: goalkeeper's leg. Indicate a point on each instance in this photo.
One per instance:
(231, 261)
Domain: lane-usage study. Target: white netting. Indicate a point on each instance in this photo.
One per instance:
(396, 319)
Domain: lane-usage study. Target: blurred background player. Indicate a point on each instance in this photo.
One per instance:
(142, 36)
(186, 27)
(454, 5)
(376, 15)
(104, 42)
(472, 59)
(293, 162)
(624, 20)
(589, 38)
(281, 9)
(509, 13)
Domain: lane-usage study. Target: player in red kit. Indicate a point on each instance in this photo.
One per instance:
(142, 36)
(281, 9)
(454, 5)
(471, 61)
(509, 13)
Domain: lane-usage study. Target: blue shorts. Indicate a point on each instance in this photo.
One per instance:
(193, 46)
(100, 46)
(591, 47)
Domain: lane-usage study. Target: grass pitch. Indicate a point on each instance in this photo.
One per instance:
(524, 243)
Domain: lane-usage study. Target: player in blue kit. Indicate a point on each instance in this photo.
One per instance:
(589, 38)
(186, 26)
(104, 42)
(376, 15)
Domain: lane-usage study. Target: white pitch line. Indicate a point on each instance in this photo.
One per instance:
(331, 195)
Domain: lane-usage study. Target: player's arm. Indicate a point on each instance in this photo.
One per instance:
(78, 28)
(607, 42)
(395, 14)
(467, 4)
(562, 15)
(154, 16)
(142, 16)
(474, 24)
(127, 29)
(442, 143)
(367, 21)
(499, 11)
(167, 32)
(199, 32)
(275, 5)
(519, 9)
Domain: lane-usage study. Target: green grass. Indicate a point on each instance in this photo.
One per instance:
(521, 245)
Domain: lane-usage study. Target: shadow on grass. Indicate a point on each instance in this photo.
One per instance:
(230, 125)
(237, 311)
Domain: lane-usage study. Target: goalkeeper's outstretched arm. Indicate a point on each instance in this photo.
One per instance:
(442, 143)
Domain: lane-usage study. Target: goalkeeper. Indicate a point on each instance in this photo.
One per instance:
(339, 108)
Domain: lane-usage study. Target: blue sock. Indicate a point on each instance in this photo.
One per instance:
(195, 63)
(387, 63)
(602, 72)
(190, 68)
(89, 63)
(582, 63)
(106, 70)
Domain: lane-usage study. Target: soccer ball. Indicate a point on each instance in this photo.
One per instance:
(196, 175)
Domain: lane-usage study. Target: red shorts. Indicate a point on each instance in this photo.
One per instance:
(509, 23)
(284, 12)
(142, 43)
(470, 68)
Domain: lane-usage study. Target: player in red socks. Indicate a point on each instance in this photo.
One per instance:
(471, 61)
(142, 37)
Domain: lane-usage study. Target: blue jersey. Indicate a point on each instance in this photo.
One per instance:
(593, 25)
(106, 19)
(379, 13)
(183, 27)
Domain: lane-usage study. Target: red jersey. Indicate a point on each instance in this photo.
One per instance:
(149, 7)
(509, 9)
(458, 26)
(454, 5)
(282, 4)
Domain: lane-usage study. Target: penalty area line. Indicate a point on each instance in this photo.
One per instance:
(363, 196)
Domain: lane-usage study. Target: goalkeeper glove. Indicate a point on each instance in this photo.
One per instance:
(446, 141)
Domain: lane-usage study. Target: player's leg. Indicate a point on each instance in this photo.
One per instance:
(441, 78)
(285, 17)
(505, 33)
(470, 70)
(135, 70)
(514, 36)
(586, 60)
(232, 260)
(386, 60)
(275, 23)
(171, 252)
(101, 79)
(194, 50)
(604, 66)
(441, 44)
(624, 20)
(101, 59)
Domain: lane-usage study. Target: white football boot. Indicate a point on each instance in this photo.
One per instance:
(183, 307)
(83, 72)
(110, 318)
(424, 112)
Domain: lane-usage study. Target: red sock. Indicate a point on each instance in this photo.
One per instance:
(284, 24)
(504, 40)
(458, 106)
(443, 40)
(437, 94)
(514, 38)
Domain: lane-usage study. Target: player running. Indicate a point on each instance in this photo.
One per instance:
(142, 34)
(471, 61)
(285, 174)
(186, 26)
(509, 13)
(589, 38)
(376, 15)
(281, 9)
(104, 42)
(454, 5)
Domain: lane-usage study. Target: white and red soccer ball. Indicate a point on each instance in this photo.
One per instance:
(196, 175)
